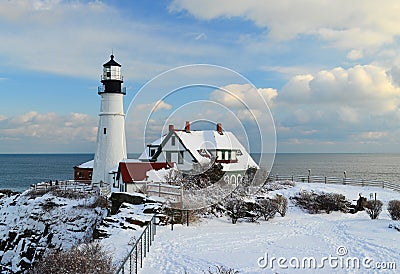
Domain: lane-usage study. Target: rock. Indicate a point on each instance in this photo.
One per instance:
(117, 198)
(136, 222)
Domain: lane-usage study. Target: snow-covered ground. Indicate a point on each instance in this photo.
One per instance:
(336, 242)
(124, 229)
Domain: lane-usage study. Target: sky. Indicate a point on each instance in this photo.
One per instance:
(329, 71)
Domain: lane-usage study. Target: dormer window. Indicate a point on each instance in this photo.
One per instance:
(227, 155)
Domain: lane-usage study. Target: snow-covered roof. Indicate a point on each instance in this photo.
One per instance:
(145, 155)
(88, 164)
(210, 140)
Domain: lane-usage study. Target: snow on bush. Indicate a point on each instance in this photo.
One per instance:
(236, 208)
(315, 202)
(281, 203)
(394, 209)
(373, 208)
(266, 208)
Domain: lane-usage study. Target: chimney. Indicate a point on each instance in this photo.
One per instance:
(171, 128)
(219, 128)
(187, 126)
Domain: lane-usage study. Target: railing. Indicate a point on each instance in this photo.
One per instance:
(101, 89)
(141, 248)
(78, 186)
(337, 180)
(171, 192)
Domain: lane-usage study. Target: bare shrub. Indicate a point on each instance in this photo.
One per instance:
(206, 178)
(373, 208)
(101, 201)
(69, 194)
(221, 270)
(236, 208)
(267, 208)
(281, 203)
(38, 192)
(83, 259)
(394, 209)
(8, 192)
(316, 202)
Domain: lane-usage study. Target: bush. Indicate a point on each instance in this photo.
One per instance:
(394, 209)
(282, 204)
(83, 259)
(266, 208)
(316, 202)
(236, 208)
(373, 208)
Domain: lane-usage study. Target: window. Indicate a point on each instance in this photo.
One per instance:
(168, 157)
(173, 140)
(233, 155)
(180, 157)
(219, 155)
(227, 155)
(105, 130)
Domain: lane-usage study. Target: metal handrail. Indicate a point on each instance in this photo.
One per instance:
(143, 243)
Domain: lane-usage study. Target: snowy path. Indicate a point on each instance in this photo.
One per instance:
(217, 242)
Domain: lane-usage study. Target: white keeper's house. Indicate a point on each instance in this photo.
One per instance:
(183, 149)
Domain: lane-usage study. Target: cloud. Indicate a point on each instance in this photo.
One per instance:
(336, 105)
(355, 54)
(373, 135)
(363, 24)
(155, 106)
(235, 95)
(61, 32)
(3, 117)
(64, 133)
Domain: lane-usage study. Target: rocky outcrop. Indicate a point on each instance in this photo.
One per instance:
(32, 225)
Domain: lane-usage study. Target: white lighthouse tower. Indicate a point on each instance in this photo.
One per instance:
(111, 145)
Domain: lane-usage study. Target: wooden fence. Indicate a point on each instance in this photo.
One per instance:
(337, 180)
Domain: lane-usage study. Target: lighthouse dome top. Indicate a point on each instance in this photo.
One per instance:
(112, 62)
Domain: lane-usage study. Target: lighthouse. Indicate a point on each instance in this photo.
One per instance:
(111, 144)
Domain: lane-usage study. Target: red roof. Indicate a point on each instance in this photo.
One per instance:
(136, 171)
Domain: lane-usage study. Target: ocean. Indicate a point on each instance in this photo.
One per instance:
(19, 171)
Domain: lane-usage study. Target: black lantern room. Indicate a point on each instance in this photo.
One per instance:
(112, 79)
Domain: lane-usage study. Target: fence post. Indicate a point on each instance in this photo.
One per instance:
(136, 259)
(172, 220)
(325, 179)
(148, 240)
(130, 263)
(141, 253)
